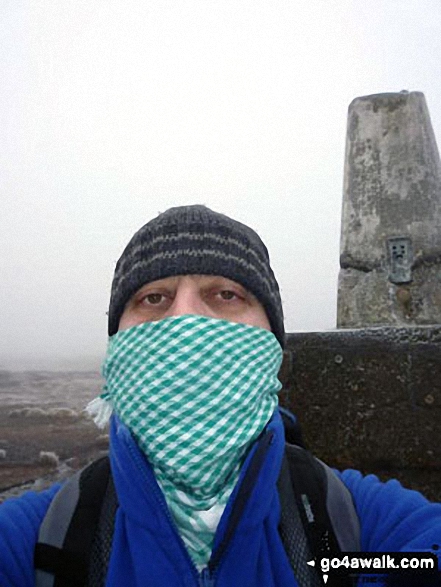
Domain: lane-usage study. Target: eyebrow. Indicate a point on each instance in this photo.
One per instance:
(222, 279)
(212, 279)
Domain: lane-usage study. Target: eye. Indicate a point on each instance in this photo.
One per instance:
(152, 299)
(227, 294)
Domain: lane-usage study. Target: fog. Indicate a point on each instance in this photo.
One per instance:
(112, 111)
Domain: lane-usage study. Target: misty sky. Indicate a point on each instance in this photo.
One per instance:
(114, 110)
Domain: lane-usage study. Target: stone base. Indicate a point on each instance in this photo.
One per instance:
(370, 399)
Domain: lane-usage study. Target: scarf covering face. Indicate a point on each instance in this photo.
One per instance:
(195, 392)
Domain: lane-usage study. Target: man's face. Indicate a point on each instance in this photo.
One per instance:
(204, 295)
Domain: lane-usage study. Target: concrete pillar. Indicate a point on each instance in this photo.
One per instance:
(390, 250)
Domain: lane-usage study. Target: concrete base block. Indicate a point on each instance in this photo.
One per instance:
(370, 399)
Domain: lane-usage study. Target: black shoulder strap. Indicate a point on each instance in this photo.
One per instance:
(317, 519)
(292, 531)
(103, 540)
(66, 537)
(291, 426)
(309, 483)
(310, 495)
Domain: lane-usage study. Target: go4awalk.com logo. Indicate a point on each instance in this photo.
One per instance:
(378, 564)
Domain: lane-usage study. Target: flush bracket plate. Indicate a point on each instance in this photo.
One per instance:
(400, 259)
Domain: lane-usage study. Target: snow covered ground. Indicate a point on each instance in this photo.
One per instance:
(44, 434)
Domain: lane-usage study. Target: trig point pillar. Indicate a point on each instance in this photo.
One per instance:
(390, 250)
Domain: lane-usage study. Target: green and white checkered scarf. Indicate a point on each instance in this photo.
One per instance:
(195, 392)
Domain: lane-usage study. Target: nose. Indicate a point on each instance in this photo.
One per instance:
(188, 300)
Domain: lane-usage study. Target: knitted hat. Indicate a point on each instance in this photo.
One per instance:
(194, 240)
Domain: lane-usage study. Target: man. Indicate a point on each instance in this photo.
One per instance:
(196, 439)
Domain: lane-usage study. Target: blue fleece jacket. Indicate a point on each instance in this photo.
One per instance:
(147, 550)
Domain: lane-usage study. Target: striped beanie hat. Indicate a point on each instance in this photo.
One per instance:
(194, 240)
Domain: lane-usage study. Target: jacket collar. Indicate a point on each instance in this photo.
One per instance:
(142, 500)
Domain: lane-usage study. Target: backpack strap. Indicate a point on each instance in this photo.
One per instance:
(292, 532)
(318, 517)
(102, 544)
(291, 426)
(67, 534)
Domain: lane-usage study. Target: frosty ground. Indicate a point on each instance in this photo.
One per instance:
(44, 434)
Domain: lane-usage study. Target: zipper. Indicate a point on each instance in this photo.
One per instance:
(248, 482)
(163, 504)
(207, 577)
